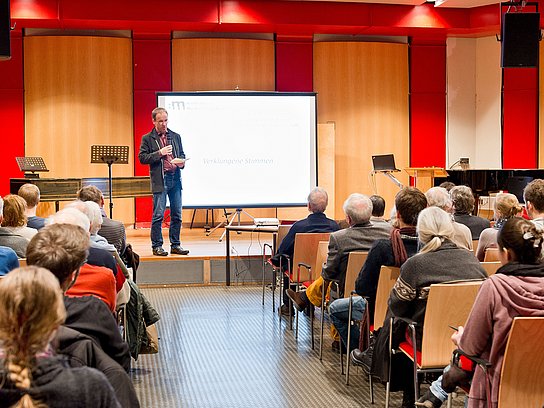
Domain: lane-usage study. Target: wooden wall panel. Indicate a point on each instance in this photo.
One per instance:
(215, 64)
(363, 88)
(78, 92)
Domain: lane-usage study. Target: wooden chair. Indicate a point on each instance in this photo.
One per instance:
(475, 245)
(304, 256)
(491, 255)
(388, 278)
(448, 304)
(22, 262)
(282, 232)
(491, 267)
(522, 374)
(356, 261)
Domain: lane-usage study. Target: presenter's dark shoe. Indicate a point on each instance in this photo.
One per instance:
(179, 251)
(159, 252)
(300, 301)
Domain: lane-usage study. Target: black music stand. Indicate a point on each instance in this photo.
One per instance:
(109, 155)
(32, 164)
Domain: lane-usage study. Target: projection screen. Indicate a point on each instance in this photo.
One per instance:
(245, 149)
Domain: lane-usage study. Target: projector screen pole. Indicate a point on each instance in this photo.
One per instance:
(391, 177)
(236, 214)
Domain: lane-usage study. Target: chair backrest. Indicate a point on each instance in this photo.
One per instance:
(449, 304)
(282, 232)
(491, 267)
(305, 251)
(320, 259)
(22, 262)
(356, 260)
(475, 245)
(522, 375)
(491, 255)
(388, 277)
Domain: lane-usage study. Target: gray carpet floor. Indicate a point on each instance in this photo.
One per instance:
(221, 348)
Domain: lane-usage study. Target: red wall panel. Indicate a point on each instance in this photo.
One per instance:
(428, 104)
(152, 72)
(520, 118)
(12, 113)
(294, 65)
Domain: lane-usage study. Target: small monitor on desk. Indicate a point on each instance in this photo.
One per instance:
(384, 162)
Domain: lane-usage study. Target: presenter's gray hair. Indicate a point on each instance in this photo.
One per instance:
(318, 200)
(439, 197)
(156, 111)
(358, 207)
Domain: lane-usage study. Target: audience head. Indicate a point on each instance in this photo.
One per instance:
(61, 248)
(14, 211)
(506, 206)
(378, 205)
(434, 225)
(439, 197)
(463, 199)
(318, 200)
(448, 185)
(409, 202)
(30, 193)
(358, 209)
(533, 195)
(31, 309)
(71, 215)
(95, 216)
(8, 260)
(520, 240)
(91, 193)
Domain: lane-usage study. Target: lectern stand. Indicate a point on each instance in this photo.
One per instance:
(109, 155)
(424, 176)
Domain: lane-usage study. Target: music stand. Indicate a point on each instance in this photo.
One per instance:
(109, 155)
(32, 164)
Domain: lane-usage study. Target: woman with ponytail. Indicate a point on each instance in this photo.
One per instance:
(438, 261)
(506, 207)
(31, 310)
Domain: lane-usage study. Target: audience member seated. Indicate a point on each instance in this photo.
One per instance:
(533, 195)
(393, 251)
(31, 195)
(360, 236)
(440, 260)
(378, 209)
(463, 205)
(31, 310)
(63, 248)
(439, 197)
(317, 221)
(10, 239)
(506, 206)
(8, 260)
(113, 231)
(15, 218)
(448, 185)
(516, 290)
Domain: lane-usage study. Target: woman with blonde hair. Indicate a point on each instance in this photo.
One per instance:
(15, 218)
(506, 206)
(440, 260)
(31, 310)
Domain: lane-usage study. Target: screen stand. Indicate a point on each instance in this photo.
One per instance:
(390, 176)
(228, 222)
(109, 155)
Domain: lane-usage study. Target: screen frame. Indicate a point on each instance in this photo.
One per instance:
(160, 94)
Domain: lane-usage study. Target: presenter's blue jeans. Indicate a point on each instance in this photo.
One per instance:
(339, 312)
(172, 189)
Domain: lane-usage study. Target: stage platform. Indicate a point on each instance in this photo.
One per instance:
(205, 264)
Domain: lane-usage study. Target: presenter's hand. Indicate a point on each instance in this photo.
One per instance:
(166, 150)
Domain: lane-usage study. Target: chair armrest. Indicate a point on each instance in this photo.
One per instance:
(304, 265)
(480, 361)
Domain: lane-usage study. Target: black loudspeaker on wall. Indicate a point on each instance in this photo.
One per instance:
(5, 49)
(520, 37)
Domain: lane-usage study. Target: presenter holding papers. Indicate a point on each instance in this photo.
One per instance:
(161, 149)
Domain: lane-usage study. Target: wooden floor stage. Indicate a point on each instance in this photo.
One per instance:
(205, 263)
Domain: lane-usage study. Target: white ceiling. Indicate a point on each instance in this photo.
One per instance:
(440, 3)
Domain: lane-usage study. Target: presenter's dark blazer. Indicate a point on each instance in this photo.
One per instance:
(149, 154)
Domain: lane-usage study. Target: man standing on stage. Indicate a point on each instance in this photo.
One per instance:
(162, 150)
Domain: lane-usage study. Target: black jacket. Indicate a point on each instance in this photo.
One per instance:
(149, 154)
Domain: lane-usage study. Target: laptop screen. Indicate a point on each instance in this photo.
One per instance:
(384, 162)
